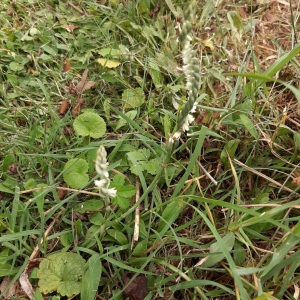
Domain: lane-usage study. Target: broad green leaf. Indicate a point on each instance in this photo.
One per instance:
(249, 125)
(109, 52)
(97, 219)
(118, 236)
(8, 159)
(7, 270)
(124, 192)
(229, 150)
(15, 67)
(38, 295)
(89, 205)
(216, 253)
(140, 248)
(142, 158)
(155, 74)
(90, 124)
(152, 166)
(75, 173)
(133, 98)
(170, 214)
(265, 296)
(61, 272)
(91, 278)
(130, 114)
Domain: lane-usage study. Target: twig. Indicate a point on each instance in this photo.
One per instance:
(263, 176)
(137, 216)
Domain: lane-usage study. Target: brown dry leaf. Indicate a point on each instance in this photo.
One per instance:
(70, 28)
(242, 12)
(137, 289)
(61, 192)
(155, 11)
(82, 82)
(296, 179)
(65, 104)
(67, 66)
(12, 169)
(77, 107)
(10, 292)
(68, 130)
(89, 85)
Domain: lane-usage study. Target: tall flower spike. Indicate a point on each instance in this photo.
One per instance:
(101, 169)
(191, 69)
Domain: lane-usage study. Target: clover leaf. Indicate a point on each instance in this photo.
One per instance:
(61, 272)
(90, 124)
(124, 192)
(75, 173)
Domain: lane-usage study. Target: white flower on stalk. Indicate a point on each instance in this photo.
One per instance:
(101, 169)
(174, 137)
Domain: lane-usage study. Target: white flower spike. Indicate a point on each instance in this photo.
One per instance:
(101, 169)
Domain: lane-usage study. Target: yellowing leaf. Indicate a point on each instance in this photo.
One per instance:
(108, 63)
(208, 44)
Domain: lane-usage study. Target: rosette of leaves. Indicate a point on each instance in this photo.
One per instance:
(61, 273)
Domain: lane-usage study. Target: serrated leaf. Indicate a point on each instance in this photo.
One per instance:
(61, 272)
(90, 124)
(111, 64)
(141, 156)
(124, 192)
(152, 166)
(118, 181)
(75, 173)
(130, 114)
(91, 278)
(133, 98)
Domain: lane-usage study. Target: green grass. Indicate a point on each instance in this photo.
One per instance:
(232, 234)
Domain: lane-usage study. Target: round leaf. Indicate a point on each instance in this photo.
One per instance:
(90, 124)
(61, 272)
(75, 173)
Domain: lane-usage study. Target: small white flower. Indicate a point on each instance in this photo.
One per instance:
(111, 193)
(175, 137)
(101, 169)
(175, 103)
(186, 125)
(101, 183)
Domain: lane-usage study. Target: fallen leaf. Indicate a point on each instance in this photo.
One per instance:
(82, 82)
(137, 289)
(67, 66)
(89, 85)
(70, 28)
(208, 44)
(296, 179)
(65, 104)
(108, 63)
(77, 107)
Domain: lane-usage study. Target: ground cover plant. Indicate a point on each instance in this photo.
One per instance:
(150, 149)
